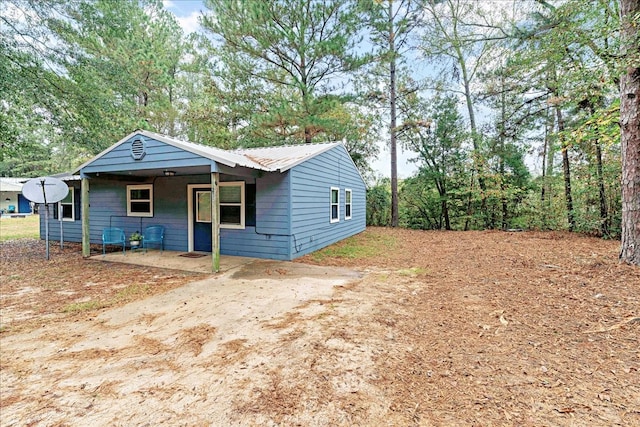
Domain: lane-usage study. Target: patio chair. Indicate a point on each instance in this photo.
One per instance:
(153, 234)
(113, 236)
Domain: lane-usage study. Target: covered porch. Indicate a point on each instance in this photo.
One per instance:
(198, 262)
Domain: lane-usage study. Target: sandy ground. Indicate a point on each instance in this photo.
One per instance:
(176, 348)
(421, 328)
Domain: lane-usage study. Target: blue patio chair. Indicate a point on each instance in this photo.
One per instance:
(113, 236)
(153, 234)
(11, 209)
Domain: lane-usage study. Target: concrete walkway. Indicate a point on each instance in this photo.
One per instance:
(174, 260)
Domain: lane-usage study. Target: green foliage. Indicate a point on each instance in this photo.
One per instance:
(123, 71)
(291, 55)
(77, 75)
(379, 203)
(435, 131)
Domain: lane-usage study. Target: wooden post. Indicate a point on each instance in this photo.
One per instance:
(215, 222)
(86, 235)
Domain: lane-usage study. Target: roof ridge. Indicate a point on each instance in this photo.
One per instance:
(284, 146)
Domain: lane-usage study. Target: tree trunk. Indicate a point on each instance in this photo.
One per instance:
(547, 154)
(444, 206)
(392, 127)
(445, 214)
(567, 172)
(308, 138)
(478, 160)
(630, 133)
(469, 212)
(604, 216)
(502, 137)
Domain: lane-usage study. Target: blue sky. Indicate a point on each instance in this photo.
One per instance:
(187, 12)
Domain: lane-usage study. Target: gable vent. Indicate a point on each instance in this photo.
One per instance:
(138, 149)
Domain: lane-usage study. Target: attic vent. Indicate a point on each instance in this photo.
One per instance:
(138, 149)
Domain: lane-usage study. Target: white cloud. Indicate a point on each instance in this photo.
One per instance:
(382, 165)
(190, 22)
(186, 13)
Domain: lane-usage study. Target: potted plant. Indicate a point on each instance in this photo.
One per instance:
(135, 239)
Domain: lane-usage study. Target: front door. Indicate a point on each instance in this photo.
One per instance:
(23, 203)
(201, 206)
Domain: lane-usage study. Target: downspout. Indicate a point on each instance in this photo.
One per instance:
(290, 202)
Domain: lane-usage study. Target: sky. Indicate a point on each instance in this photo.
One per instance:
(187, 12)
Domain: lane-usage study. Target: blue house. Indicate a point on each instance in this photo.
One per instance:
(11, 199)
(275, 202)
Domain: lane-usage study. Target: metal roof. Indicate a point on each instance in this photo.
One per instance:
(270, 159)
(11, 184)
(284, 157)
(66, 176)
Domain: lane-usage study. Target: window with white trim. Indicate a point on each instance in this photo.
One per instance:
(140, 200)
(335, 204)
(66, 207)
(203, 206)
(347, 203)
(232, 204)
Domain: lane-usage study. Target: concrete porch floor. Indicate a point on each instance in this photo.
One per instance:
(174, 260)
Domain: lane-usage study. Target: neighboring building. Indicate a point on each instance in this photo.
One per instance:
(11, 198)
(275, 202)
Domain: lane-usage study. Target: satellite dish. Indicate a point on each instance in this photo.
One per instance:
(45, 190)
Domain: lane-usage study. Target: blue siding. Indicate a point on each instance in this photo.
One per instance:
(292, 208)
(311, 184)
(108, 200)
(72, 230)
(270, 237)
(159, 155)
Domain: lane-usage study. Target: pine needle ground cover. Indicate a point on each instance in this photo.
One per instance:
(440, 328)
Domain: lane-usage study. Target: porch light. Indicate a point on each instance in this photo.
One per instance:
(169, 173)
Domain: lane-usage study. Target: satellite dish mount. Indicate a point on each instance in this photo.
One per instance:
(45, 190)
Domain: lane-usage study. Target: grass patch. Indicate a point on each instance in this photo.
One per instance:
(363, 245)
(415, 271)
(19, 228)
(78, 307)
(131, 293)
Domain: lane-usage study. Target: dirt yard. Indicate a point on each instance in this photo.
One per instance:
(397, 327)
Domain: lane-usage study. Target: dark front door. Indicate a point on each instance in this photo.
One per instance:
(202, 219)
(23, 204)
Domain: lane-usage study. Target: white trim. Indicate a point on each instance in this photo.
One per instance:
(348, 203)
(331, 204)
(102, 153)
(150, 200)
(240, 184)
(184, 145)
(73, 207)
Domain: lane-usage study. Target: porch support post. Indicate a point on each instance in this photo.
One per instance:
(215, 221)
(86, 235)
